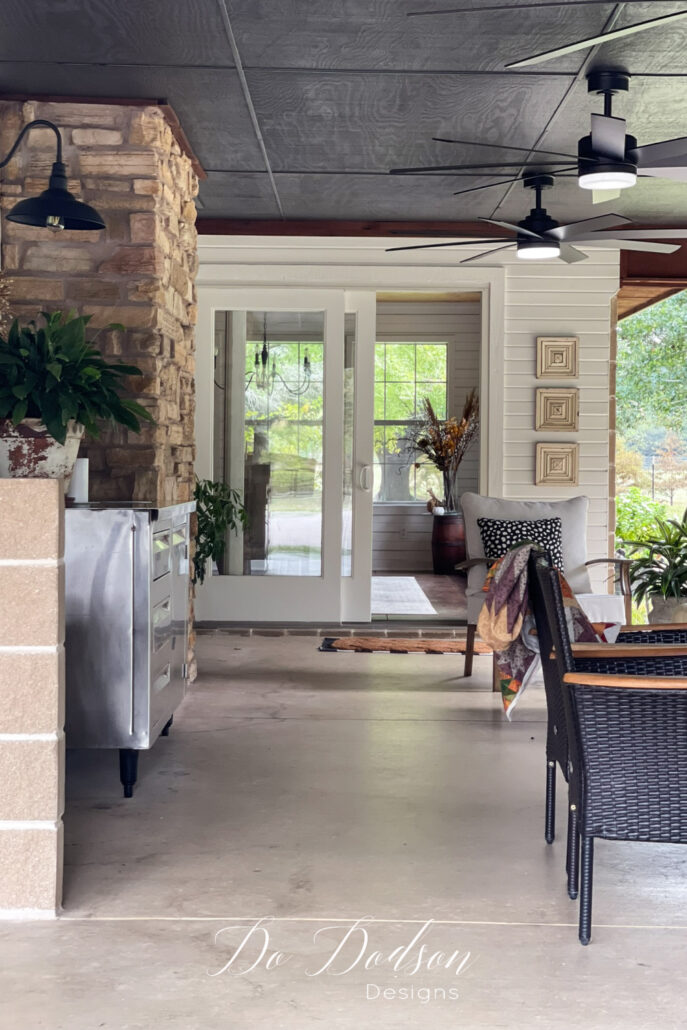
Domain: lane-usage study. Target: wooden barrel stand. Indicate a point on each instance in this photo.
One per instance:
(448, 543)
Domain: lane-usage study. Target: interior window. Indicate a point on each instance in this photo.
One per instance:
(406, 374)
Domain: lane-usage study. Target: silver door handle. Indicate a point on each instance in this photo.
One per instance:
(365, 478)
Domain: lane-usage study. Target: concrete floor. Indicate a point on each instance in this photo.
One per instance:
(313, 790)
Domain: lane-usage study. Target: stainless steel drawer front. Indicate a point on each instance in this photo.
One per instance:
(162, 553)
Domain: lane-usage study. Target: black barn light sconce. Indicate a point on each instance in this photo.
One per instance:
(55, 208)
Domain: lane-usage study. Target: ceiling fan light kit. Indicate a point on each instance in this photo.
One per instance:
(610, 178)
(534, 250)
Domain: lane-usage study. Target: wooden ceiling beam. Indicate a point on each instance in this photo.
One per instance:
(333, 227)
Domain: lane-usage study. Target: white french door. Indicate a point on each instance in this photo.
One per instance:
(284, 416)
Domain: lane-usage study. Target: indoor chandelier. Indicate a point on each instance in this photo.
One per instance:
(265, 375)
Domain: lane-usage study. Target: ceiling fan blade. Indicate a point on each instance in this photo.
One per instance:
(639, 234)
(677, 172)
(509, 225)
(608, 136)
(510, 7)
(570, 254)
(423, 170)
(576, 230)
(502, 146)
(480, 257)
(452, 243)
(657, 154)
(603, 196)
(646, 247)
(592, 41)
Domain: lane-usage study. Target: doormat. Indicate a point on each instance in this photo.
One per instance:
(400, 645)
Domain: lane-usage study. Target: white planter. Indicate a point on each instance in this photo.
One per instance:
(667, 609)
(27, 451)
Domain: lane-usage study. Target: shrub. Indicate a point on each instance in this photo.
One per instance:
(636, 515)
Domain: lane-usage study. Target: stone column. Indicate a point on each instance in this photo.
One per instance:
(129, 164)
(31, 696)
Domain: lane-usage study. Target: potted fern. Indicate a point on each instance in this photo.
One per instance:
(658, 572)
(54, 386)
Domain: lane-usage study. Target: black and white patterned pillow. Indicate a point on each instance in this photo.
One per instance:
(501, 535)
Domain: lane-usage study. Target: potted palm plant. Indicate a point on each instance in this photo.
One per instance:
(658, 572)
(444, 443)
(54, 386)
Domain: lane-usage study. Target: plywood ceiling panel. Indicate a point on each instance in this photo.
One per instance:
(342, 92)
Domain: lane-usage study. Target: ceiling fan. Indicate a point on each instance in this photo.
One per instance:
(539, 236)
(608, 159)
(568, 48)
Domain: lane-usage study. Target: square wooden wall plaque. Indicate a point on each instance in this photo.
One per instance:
(557, 357)
(557, 410)
(557, 464)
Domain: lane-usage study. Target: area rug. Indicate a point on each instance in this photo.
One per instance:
(399, 595)
(399, 645)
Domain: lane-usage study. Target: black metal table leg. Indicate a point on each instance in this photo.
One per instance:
(166, 727)
(128, 769)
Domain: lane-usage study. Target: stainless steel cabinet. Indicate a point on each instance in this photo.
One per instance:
(127, 600)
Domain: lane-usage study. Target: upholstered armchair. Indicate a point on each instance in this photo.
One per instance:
(573, 516)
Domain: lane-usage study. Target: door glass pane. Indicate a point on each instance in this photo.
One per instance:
(270, 443)
(348, 448)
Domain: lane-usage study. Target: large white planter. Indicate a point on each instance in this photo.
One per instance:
(667, 609)
(27, 451)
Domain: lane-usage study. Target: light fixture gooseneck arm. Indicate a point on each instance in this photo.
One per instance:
(32, 125)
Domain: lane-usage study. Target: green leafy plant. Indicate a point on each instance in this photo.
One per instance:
(53, 373)
(219, 509)
(660, 565)
(636, 515)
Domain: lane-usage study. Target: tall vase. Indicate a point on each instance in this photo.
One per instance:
(450, 490)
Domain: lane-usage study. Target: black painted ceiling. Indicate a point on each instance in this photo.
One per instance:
(342, 90)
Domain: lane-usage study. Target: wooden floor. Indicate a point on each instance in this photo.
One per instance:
(445, 593)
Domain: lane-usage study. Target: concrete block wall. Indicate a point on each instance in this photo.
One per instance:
(31, 696)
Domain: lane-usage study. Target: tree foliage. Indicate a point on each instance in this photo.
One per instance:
(671, 464)
(652, 359)
(629, 467)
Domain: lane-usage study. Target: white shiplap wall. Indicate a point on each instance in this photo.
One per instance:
(560, 300)
(401, 533)
(538, 299)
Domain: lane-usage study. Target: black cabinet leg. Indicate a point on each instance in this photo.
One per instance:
(128, 769)
(166, 727)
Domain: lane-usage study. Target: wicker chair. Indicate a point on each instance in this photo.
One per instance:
(658, 651)
(631, 735)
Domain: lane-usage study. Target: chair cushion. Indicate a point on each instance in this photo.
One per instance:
(573, 516)
(500, 535)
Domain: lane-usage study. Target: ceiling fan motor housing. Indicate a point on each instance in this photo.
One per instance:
(538, 221)
(588, 160)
